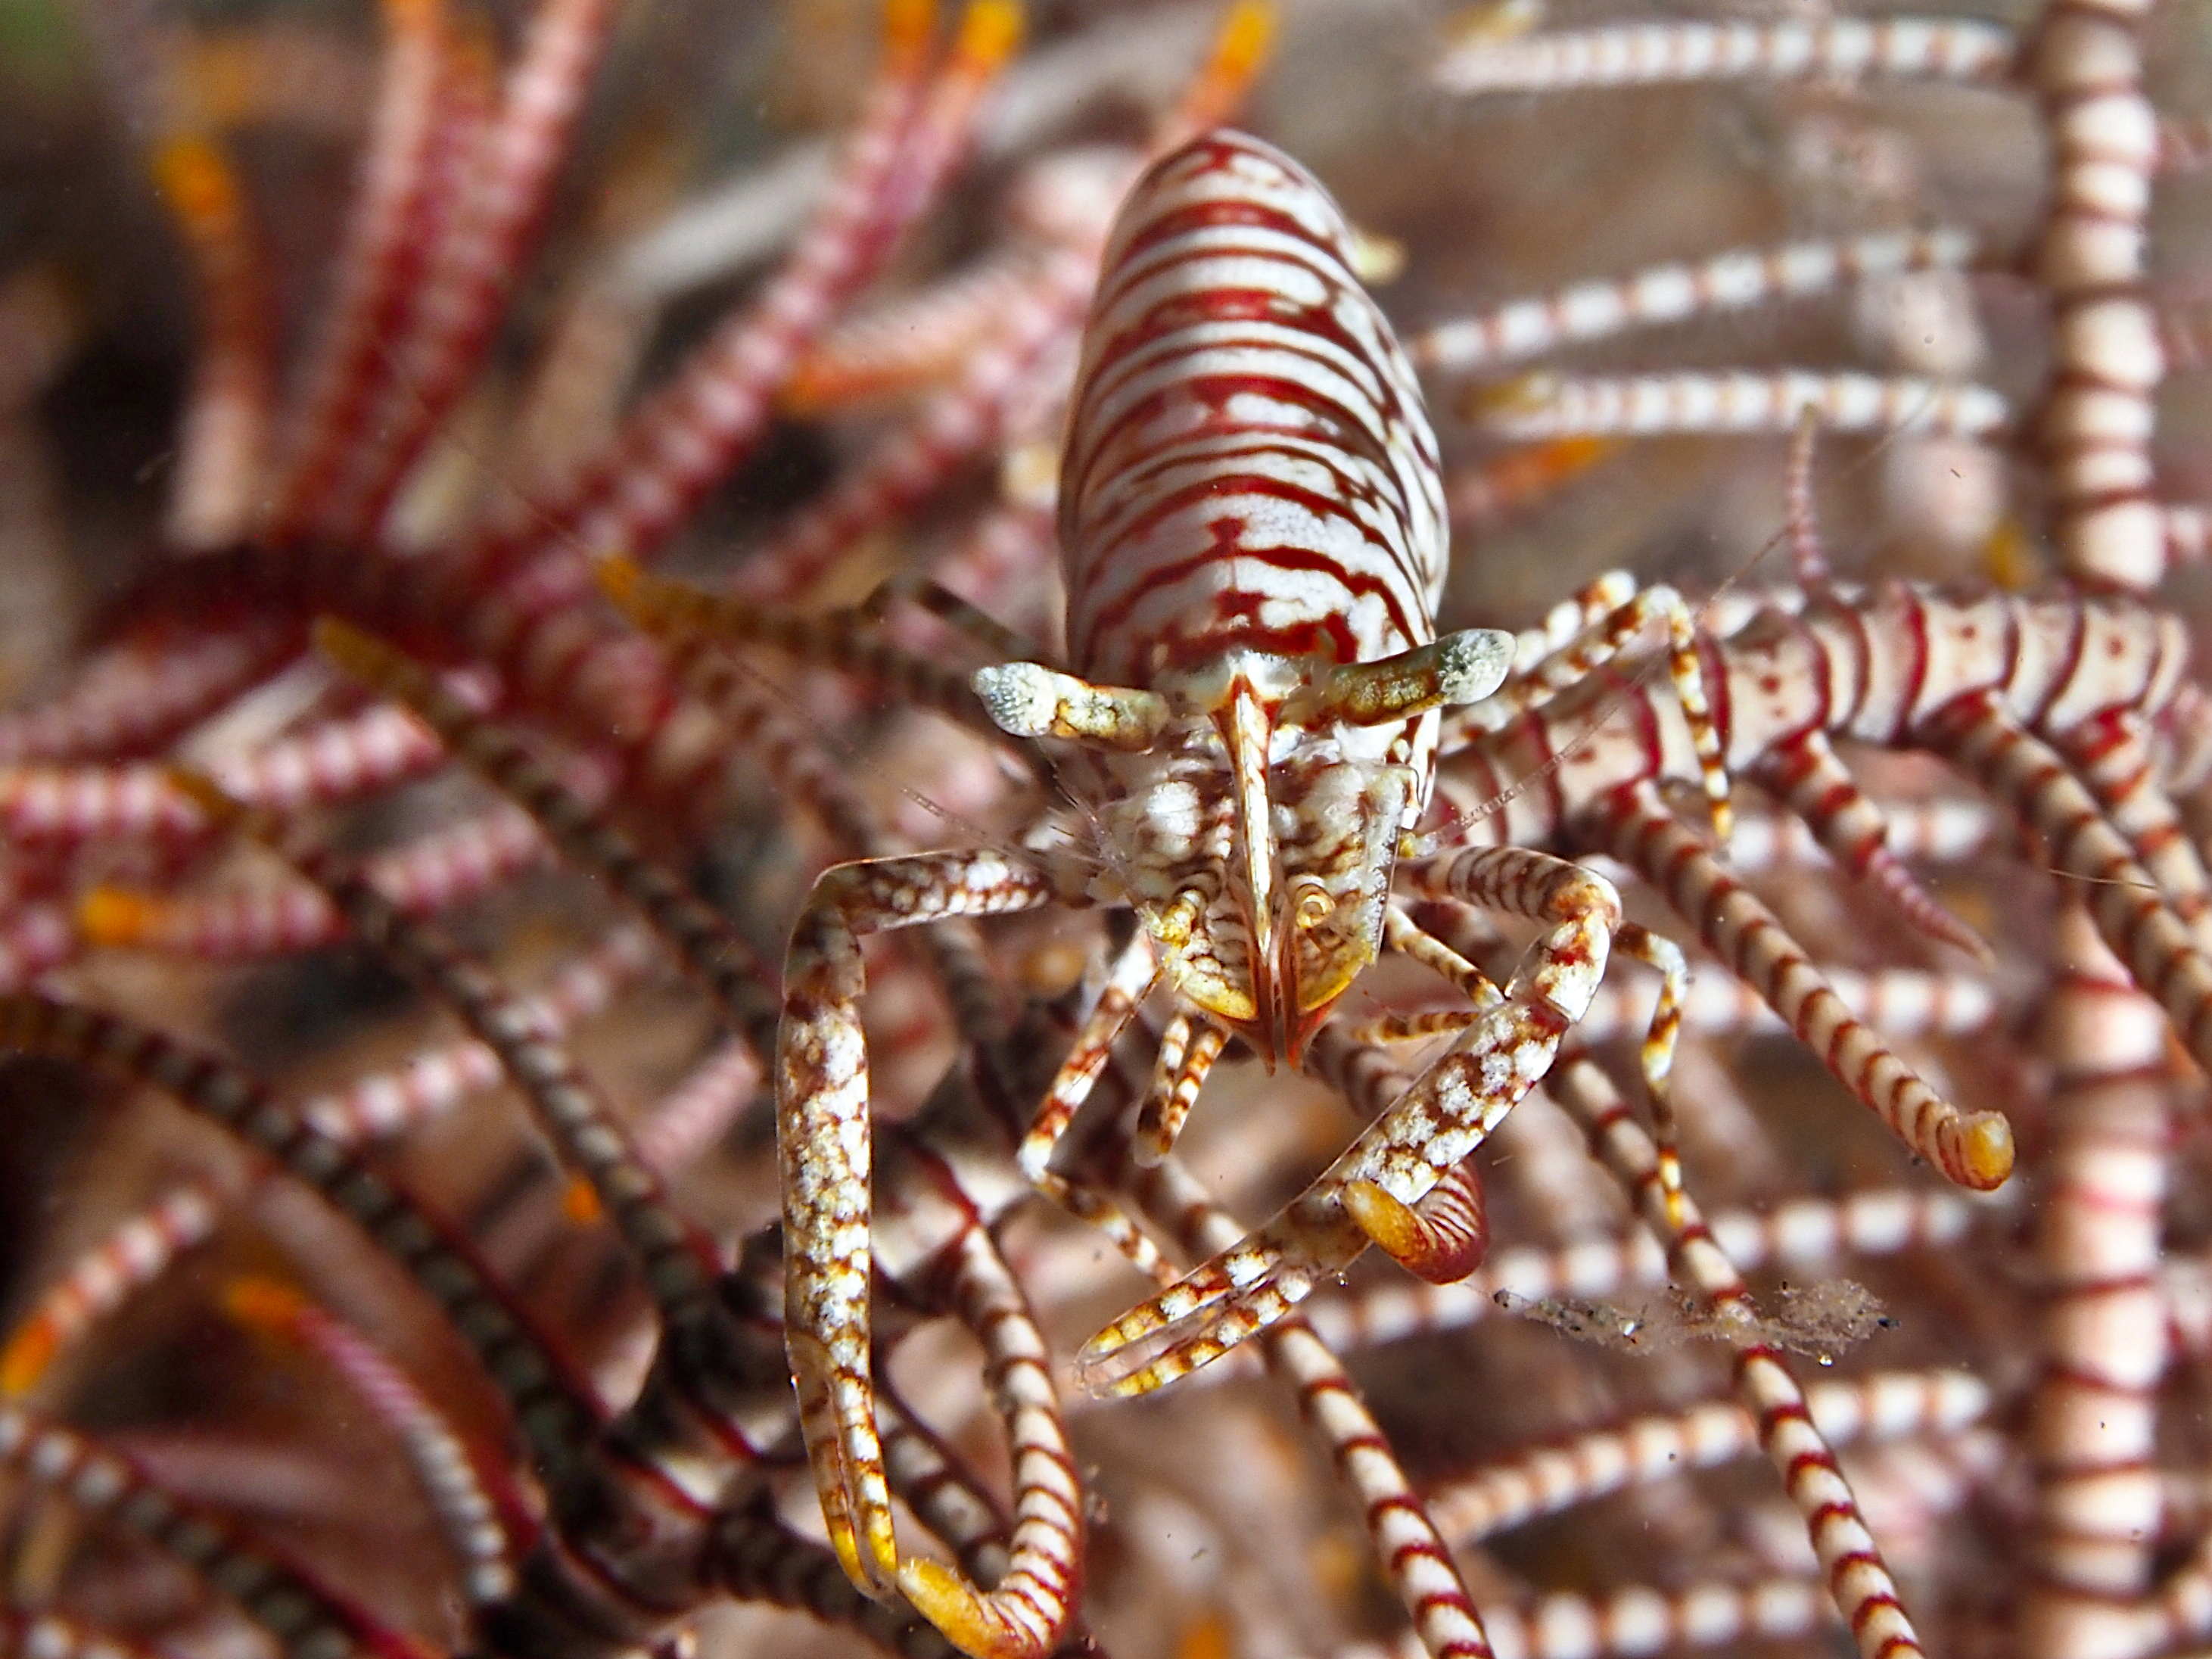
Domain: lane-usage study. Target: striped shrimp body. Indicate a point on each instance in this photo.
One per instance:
(1252, 518)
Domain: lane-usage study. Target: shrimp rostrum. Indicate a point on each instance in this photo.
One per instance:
(1253, 528)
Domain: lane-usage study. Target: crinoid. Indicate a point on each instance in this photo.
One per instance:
(1295, 733)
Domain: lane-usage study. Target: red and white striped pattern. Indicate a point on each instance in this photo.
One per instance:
(1737, 401)
(1248, 463)
(1633, 54)
(1660, 295)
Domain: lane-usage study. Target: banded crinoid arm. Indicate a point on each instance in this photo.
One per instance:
(1494, 59)
(379, 255)
(1582, 636)
(47, 1635)
(1404, 1155)
(1902, 1002)
(302, 1616)
(1555, 406)
(1546, 1480)
(2099, 412)
(555, 1411)
(2050, 702)
(1808, 1237)
(698, 426)
(433, 872)
(1637, 1619)
(332, 761)
(1856, 1576)
(1407, 1542)
(483, 241)
(224, 430)
(1974, 1150)
(130, 697)
(755, 1556)
(1662, 294)
(452, 1475)
(103, 1276)
(2103, 1339)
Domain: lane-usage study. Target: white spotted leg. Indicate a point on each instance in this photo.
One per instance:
(1440, 1239)
(1407, 1151)
(824, 1146)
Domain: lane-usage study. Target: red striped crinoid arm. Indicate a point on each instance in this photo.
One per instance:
(1618, 612)
(1669, 294)
(302, 1615)
(1406, 1541)
(1903, 1002)
(943, 1491)
(452, 1476)
(794, 759)
(555, 1411)
(701, 423)
(911, 342)
(2133, 913)
(435, 1080)
(687, 1120)
(1024, 1612)
(2103, 1346)
(1974, 1149)
(380, 253)
(1864, 1592)
(950, 431)
(434, 872)
(25, 1635)
(1741, 401)
(330, 763)
(224, 432)
(1646, 54)
(2099, 410)
(130, 697)
(1809, 779)
(2113, 755)
(1546, 1479)
(480, 248)
(103, 1277)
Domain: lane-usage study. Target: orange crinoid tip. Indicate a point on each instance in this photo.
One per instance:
(115, 916)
